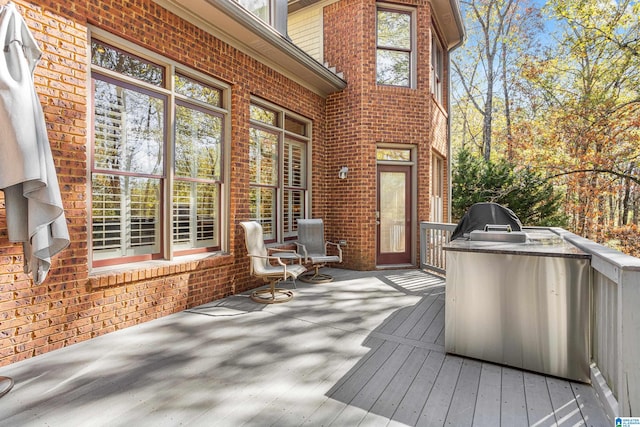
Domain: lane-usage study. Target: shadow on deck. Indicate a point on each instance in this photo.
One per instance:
(366, 349)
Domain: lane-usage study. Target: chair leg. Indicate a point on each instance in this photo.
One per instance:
(315, 276)
(272, 295)
(6, 383)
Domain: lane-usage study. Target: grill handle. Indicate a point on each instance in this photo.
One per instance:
(498, 227)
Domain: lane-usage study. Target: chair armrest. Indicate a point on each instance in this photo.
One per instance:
(338, 247)
(291, 251)
(269, 258)
(286, 251)
(303, 248)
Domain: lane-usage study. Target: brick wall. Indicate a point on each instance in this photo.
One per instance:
(73, 305)
(365, 115)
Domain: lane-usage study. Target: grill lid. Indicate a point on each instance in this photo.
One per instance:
(487, 216)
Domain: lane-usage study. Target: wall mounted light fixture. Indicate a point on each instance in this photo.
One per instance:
(342, 174)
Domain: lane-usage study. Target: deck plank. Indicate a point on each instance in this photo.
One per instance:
(412, 403)
(415, 319)
(428, 316)
(435, 327)
(489, 396)
(564, 404)
(591, 409)
(539, 409)
(439, 401)
(465, 395)
(394, 393)
(362, 373)
(381, 379)
(514, 404)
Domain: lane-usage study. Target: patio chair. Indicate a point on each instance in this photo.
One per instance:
(260, 266)
(313, 248)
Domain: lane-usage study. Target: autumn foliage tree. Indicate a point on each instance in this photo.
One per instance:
(587, 133)
(573, 114)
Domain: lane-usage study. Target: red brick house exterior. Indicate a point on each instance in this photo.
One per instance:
(346, 119)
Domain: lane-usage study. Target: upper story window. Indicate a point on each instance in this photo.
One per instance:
(147, 117)
(260, 8)
(395, 51)
(279, 146)
(437, 67)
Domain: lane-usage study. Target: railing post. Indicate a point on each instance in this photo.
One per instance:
(629, 369)
(624, 367)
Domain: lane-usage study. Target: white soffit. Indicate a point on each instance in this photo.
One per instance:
(449, 20)
(229, 22)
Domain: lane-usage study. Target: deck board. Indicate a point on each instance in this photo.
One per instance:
(433, 308)
(564, 404)
(514, 407)
(437, 407)
(539, 408)
(366, 349)
(465, 395)
(418, 391)
(489, 396)
(390, 398)
(589, 405)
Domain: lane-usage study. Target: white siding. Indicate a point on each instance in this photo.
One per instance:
(305, 29)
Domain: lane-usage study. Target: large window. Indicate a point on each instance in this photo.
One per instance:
(148, 117)
(394, 54)
(278, 170)
(437, 67)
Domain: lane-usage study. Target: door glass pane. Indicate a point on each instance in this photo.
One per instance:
(392, 212)
(393, 154)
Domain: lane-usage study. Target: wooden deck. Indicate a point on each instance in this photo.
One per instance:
(366, 349)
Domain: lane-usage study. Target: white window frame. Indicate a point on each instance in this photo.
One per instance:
(286, 138)
(167, 250)
(437, 67)
(394, 8)
(271, 11)
(437, 188)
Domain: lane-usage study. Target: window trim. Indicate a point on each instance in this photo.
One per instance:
(271, 12)
(411, 11)
(437, 54)
(280, 236)
(172, 68)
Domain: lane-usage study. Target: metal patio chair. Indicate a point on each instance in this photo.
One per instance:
(260, 265)
(313, 248)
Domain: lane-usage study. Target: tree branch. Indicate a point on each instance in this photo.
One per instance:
(607, 171)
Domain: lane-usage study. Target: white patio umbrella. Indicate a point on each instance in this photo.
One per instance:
(35, 214)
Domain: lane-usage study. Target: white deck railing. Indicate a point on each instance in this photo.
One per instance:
(615, 314)
(433, 237)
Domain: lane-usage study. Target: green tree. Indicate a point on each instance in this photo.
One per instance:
(529, 195)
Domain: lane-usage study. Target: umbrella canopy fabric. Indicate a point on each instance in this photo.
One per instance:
(35, 214)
